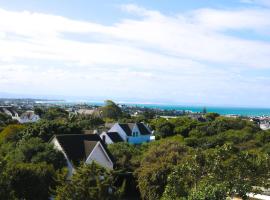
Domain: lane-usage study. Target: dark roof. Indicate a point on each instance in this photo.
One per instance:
(126, 128)
(129, 127)
(79, 146)
(115, 137)
(143, 129)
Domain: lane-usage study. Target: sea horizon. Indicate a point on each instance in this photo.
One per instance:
(250, 111)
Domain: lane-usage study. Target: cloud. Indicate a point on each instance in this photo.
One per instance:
(257, 2)
(188, 57)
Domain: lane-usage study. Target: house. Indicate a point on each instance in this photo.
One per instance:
(111, 137)
(134, 133)
(9, 110)
(28, 117)
(85, 148)
(86, 111)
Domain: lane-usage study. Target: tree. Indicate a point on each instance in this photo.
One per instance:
(29, 181)
(157, 163)
(211, 116)
(11, 133)
(36, 151)
(126, 155)
(88, 121)
(89, 182)
(163, 127)
(226, 170)
(55, 113)
(6, 120)
(208, 191)
(45, 129)
(111, 110)
(39, 111)
(204, 111)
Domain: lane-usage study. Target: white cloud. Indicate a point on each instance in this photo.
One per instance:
(258, 2)
(155, 56)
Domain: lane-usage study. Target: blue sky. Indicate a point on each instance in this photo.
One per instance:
(156, 51)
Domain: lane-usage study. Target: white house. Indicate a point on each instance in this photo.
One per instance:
(111, 137)
(86, 148)
(9, 111)
(28, 117)
(135, 133)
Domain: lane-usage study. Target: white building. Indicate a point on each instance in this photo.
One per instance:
(135, 133)
(86, 148)
(111, 137)
(28, 117)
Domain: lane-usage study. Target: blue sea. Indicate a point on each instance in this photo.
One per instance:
(241, 111)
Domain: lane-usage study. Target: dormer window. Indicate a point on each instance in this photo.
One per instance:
(135, 134)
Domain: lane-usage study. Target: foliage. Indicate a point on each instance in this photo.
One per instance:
(229, 172)
(45, 129)
(28, 181)
(211, 116)
(54, 113)
(88, 121)
(36, 151)
(6, 120)
(157, 163)
(39, 111)
(208, 191)
(111, 110)
(126, 155)
(11, 133)
(88, 182)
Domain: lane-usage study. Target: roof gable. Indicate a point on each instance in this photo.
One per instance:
(130, 126)
(115, 137)
(127, 128)
(143, 129)
(78, 147)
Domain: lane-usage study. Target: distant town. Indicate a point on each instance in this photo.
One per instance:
(22, 110)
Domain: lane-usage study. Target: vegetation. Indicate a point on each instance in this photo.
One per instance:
(208, 158)
(89, 182)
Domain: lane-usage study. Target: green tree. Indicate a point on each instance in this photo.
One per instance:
(11, 133)
(111, 110)
(29, 181)
(39, 111)
(211, 116)
(89, 182)
(45, 129)
(127, 155)
(55, 113)
(226, 169)
(208, 191)
(36, 151)
(157, 163)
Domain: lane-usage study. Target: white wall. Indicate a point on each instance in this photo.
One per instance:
(59, 148)
(107, 138)
(100, 156)
(117, 128)
(136, 129)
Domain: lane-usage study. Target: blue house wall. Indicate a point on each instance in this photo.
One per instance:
(138, 139)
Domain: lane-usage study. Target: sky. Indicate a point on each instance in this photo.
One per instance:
(203, 52)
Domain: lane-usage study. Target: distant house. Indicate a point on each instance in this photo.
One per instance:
(111, 137)
(83, 148)
(86, 111)
(28, 117)
(134, 133)
(9, 110)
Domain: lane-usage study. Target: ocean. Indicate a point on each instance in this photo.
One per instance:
(241, 111)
